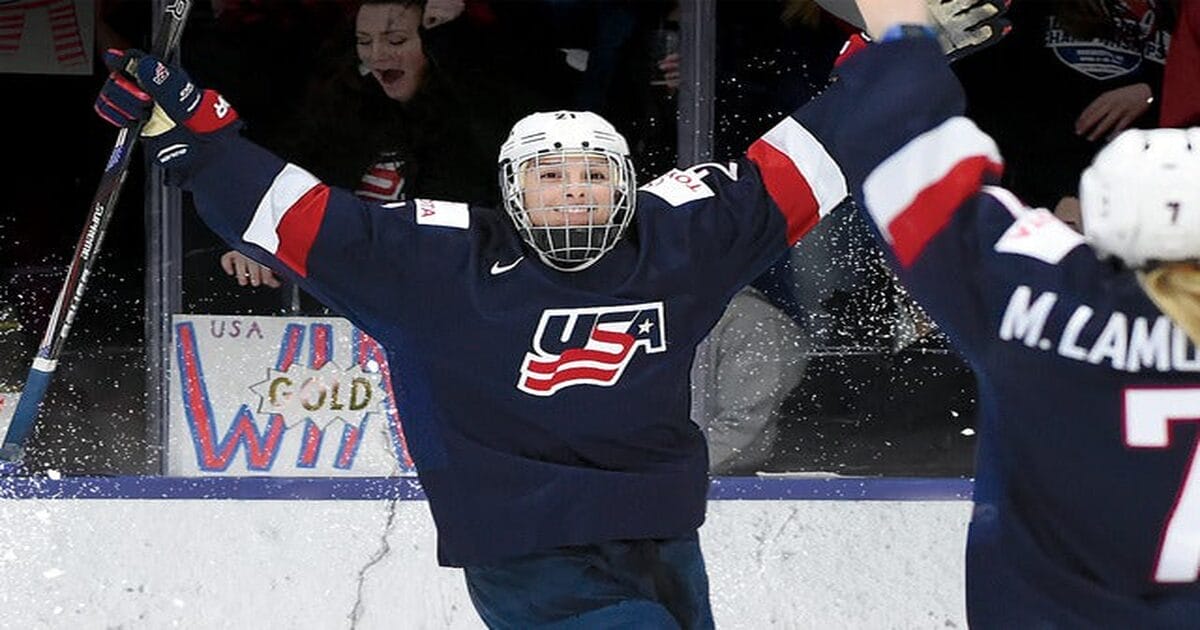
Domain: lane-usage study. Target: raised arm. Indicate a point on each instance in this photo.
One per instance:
(893, 123)
(272, 211)
(880, 15)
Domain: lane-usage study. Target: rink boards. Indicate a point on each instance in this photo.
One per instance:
(329, 553)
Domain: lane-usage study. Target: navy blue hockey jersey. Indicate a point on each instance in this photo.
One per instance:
(541, 408)
(1087, 496)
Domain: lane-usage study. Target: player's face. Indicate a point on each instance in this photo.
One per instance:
(568, 190)
(389, 46)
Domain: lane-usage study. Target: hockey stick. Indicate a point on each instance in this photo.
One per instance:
(166, 41)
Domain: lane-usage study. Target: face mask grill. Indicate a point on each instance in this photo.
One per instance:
(571, 207)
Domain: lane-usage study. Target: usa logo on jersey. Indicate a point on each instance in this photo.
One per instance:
(576, 346)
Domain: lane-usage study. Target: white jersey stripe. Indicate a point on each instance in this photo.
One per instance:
(289, 186)
(926, 160)
(812, 161)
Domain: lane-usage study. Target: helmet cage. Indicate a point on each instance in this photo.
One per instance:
(586, 234)
(568, 185)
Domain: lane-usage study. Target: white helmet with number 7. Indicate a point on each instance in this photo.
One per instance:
(1140, 198)
(568, 185)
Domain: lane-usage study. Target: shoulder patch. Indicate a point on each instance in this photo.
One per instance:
(1036, 233)
(678, 187)
(443, 213)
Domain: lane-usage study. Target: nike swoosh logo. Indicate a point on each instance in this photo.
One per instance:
(498, 269)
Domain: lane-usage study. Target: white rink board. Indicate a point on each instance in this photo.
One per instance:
(369, 564)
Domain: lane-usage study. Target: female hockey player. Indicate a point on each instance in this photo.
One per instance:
(1087, 495)
(541, 355)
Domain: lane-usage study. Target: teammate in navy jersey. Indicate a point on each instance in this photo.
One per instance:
(1087, 495)
(540, 355)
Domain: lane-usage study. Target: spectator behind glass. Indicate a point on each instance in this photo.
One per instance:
(221, 37)
(756, 354)
(744, 370)
(1181, 78)
(414, 109)
(751, 360)
(1070, 76)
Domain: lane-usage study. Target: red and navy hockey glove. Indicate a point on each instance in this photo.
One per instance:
(181, 118)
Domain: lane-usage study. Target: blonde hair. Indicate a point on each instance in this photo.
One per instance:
(1175, 289)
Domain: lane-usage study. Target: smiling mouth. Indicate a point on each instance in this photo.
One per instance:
(575, 208)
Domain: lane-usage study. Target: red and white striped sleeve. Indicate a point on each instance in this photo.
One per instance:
(288, 217)
(912, 195)
(799, 175)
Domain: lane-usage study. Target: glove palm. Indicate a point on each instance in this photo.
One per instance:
(965, 26)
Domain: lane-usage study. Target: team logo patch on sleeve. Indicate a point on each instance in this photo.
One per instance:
(678, 187)
(1039, 234)
(443, 213)
(593, 346)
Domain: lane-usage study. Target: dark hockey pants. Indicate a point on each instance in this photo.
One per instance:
(621, 584)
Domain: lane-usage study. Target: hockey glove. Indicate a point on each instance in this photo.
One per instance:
(963, 26)
(967, 26)
(181, 118)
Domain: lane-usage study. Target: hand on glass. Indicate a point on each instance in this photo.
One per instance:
(1113, 111)
(669, 66)
(248, 271)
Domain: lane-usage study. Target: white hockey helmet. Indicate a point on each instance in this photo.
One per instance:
(1140, 198)
(545, 140)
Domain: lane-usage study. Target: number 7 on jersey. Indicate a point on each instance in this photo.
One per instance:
(1149, 413)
